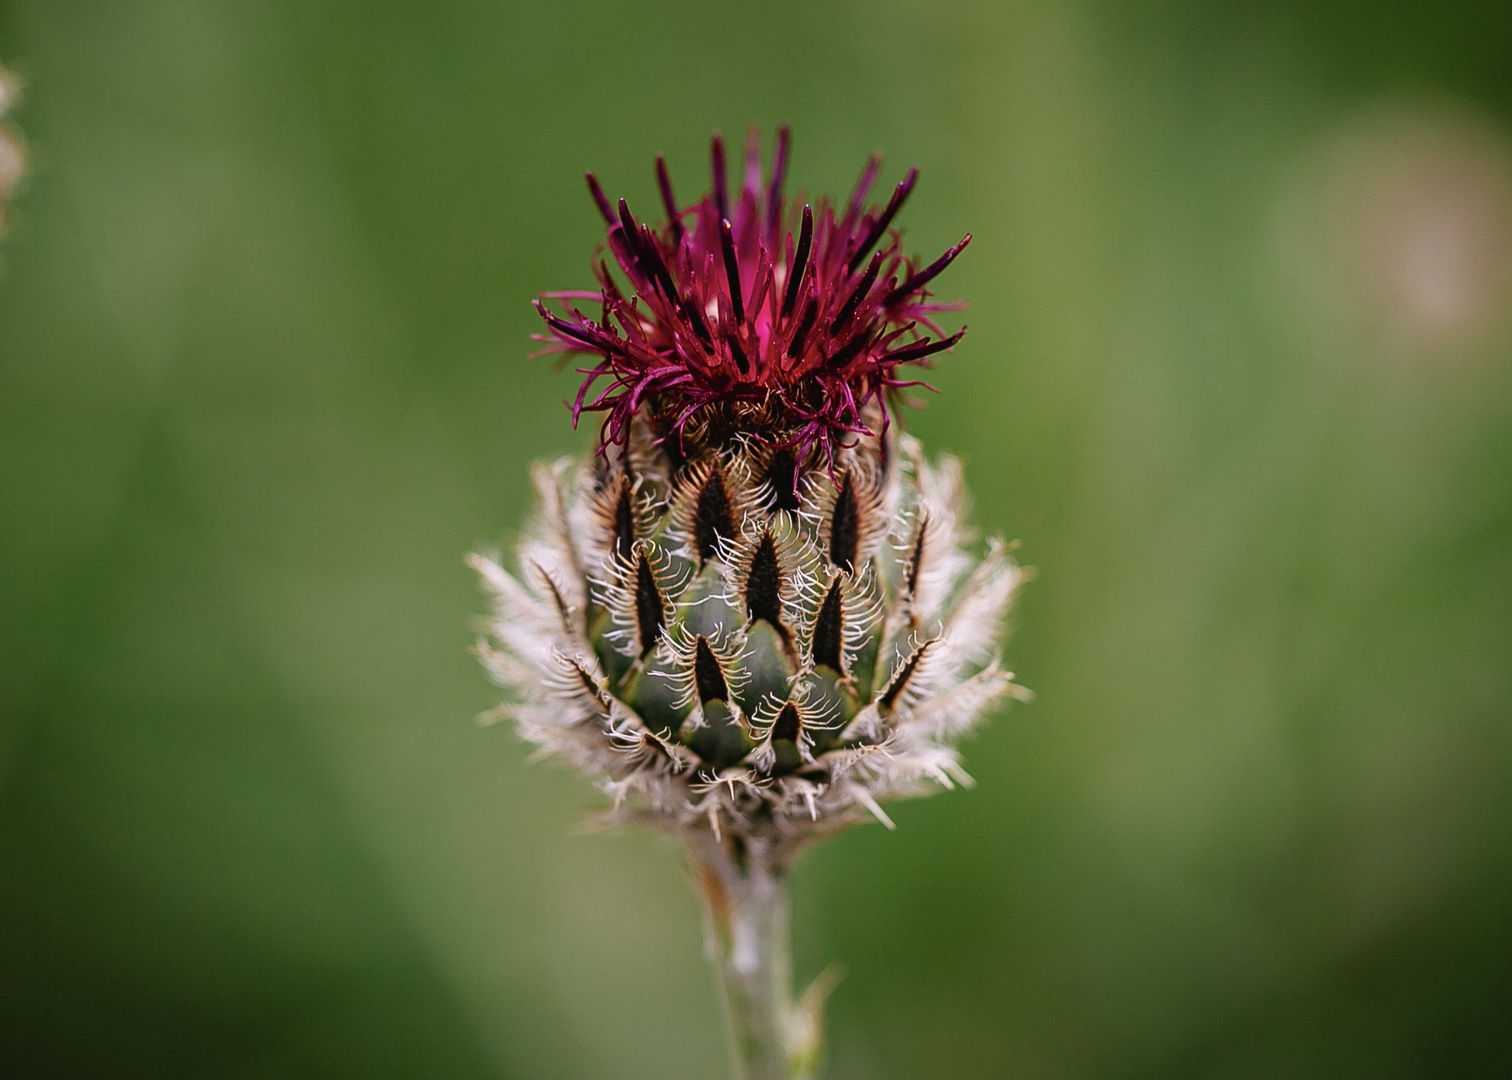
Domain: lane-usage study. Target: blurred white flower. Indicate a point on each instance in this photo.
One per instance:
(12, 146)
(1404, 234)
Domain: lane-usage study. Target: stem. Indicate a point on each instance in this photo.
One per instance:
(747, 939)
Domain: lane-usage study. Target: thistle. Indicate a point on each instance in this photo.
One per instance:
(751, 616)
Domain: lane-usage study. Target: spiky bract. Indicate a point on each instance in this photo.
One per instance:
(721, 662)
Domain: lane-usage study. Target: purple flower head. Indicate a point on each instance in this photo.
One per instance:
(761, 319)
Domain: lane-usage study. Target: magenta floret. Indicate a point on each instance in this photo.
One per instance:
(736, 327)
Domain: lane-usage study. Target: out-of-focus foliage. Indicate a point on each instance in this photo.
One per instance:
(1239, 375)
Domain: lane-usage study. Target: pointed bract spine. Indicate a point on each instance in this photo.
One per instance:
(880, 667)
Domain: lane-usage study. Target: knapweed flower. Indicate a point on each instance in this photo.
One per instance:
(752, 616)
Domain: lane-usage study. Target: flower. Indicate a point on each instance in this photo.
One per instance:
(12, 146)
(754, 615)
(734, 325)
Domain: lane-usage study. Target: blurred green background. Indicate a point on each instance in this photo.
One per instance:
(1240, 377)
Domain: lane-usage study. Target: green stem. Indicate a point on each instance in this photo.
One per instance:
(747, 939)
